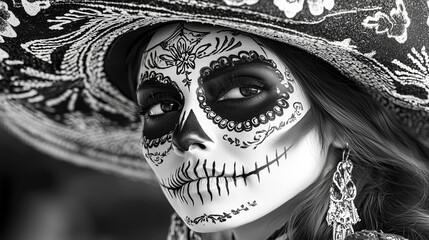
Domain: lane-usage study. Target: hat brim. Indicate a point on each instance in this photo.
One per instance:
(67, 92)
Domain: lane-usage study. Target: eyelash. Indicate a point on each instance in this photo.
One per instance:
(225, 85)
(144, 106)
(232, 82)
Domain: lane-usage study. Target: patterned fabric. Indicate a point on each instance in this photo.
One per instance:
(57, 94)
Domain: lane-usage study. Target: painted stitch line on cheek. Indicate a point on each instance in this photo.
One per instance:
(178, 185)
(227, 187)
(198, 182)
(208, 182)
(234, 175)
(257, 174)
(187, 179)
(195, 168)
(217, 179)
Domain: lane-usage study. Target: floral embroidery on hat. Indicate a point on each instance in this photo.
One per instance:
(395, 24)
(33, 7)
(240, 2)
(7, 20)
(68, 89)
(66, 45)
(293, 7)
(417, 76)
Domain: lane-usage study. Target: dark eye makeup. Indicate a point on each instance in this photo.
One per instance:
(244, 91)
(151, 94)
(159, 105)
(238, 93)
(233, 87)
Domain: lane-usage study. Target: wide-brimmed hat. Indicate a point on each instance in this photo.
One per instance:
(64, 86)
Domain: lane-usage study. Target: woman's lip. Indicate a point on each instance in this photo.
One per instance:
(178, 184)
(195, 189)
(187, 173)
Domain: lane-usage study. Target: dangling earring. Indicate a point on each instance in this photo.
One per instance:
(342, 212)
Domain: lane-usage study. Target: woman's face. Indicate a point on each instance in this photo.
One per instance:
(226, 127)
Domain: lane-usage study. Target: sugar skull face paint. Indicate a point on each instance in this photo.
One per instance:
(226, 127)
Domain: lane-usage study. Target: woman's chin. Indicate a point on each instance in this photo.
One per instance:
(223, 214)
(210, 226)
(205, 219)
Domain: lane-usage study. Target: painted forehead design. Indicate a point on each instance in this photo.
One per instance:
(178, 47)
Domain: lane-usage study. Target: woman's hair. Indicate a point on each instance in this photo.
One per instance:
(391, 167)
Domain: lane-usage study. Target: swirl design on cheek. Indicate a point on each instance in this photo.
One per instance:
(155, 142)
(263, 134)
(273, 106)
(157, 157)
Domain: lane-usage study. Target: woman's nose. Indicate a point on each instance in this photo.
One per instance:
(190, 134)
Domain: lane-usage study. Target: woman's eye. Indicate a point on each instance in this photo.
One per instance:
(240, 92)
(163, 107)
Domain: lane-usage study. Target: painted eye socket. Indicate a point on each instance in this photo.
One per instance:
(160, 113)
(240, 92)
(163, 107)
(159, 102)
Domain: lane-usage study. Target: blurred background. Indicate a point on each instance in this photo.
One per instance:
(42, 198)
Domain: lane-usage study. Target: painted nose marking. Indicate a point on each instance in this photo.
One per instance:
(190, 132)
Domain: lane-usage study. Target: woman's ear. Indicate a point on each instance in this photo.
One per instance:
(333, 137)
(338, 142)
(332, 157)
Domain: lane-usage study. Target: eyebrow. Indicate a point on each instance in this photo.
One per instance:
(241, 60)
(253, 67)
(152, 85)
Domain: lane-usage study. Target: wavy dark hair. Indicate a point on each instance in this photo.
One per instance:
(391, 166)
